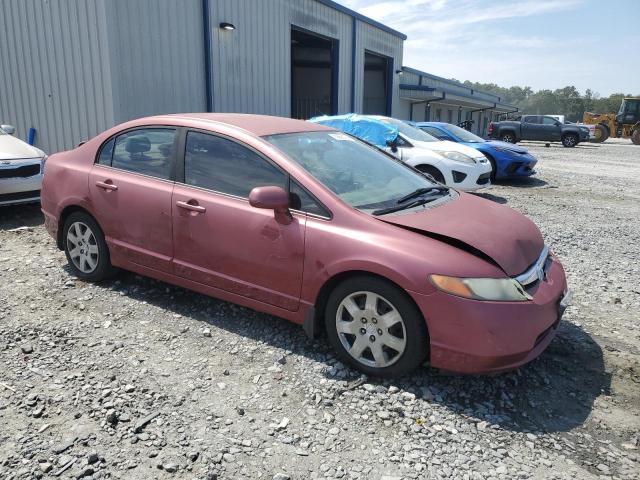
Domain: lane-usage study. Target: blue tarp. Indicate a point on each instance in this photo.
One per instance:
(365, 128)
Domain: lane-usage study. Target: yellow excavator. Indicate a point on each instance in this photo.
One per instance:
(624, 124)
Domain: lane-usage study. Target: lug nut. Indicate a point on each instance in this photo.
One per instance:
(374, 320)
(363, 331)
(364, 320)
(372, 338)
(379, 331)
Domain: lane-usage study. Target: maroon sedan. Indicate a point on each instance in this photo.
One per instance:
(304, 222)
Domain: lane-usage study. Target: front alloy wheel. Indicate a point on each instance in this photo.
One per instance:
(376, 327)
(570, 141)
(370, 329)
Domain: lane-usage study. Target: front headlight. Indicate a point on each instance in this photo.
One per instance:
(458, 157)
(495, 289)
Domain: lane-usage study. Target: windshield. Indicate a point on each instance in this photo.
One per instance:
(409, 131)
(462, 134)
(359, 174)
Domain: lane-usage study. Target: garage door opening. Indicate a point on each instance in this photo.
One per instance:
(313, 75)
(377, 81)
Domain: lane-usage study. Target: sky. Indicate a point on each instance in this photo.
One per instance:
(537, 43)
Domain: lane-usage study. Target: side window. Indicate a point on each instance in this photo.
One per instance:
(548, 121)
(148, 151)
(106, 152)
(436, 132)
(222, 165)
(304, 202)
(530, 119)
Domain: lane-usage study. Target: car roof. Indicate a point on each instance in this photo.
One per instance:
(259, 125)
(432, 124)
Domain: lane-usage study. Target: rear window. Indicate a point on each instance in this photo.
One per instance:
(148, 151)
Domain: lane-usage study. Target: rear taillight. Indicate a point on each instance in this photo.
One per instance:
(490, 131)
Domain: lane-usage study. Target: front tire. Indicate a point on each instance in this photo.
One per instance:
(375, 327)
(86, 249)
(433, 171)
(570, 140)
(601, 133)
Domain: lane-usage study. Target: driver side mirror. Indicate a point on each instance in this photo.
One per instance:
(393, 145)
(272, 198)
(9, 129)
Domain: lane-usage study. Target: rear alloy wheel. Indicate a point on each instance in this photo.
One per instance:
(85, 248)
(508, 137)
(374, 327)
(570, 140)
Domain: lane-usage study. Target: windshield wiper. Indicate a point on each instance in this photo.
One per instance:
(422, 191)
(404, 206)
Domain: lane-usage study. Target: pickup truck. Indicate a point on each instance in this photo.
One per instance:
(538, 127)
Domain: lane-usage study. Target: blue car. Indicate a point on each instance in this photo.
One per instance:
(507, 159)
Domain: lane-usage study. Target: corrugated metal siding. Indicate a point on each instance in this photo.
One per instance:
(252, 65)
(377, 41)
(53, 70)
(156, 52)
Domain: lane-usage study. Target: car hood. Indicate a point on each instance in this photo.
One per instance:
(507, 237)
(12, 148)
(448, 146)
(506, 146)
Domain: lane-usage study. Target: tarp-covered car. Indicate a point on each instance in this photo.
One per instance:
(449, 163)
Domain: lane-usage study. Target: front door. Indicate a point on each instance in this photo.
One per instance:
(222, 241)
(130, 187)
(531, 127)
(551, 129)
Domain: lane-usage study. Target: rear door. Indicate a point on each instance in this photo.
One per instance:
(222, 241)
(130, 187)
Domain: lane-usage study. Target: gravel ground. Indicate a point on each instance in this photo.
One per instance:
(134, 378)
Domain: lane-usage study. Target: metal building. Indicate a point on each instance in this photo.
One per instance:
(73, 68)
(427, 97)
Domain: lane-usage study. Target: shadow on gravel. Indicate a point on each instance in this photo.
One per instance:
(15, 216)
(525, 182)
(490, 196)
(554, 393)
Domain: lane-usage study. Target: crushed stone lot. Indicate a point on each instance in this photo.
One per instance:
(137, 379)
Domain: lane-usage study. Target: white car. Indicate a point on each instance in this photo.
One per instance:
(21, 169)
(458, 166)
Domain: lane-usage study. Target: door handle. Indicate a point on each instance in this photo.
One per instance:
(189, 206)
(107, 185)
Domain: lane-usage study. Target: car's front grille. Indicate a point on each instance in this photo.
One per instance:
(513, 167)
(11, 197)
(537, 271)
(22, 171)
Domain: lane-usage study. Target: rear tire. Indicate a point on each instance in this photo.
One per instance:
(375, 327)
(86, 249)
(570, 140)
(635, 136)
(433, 171)
(508, 137)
